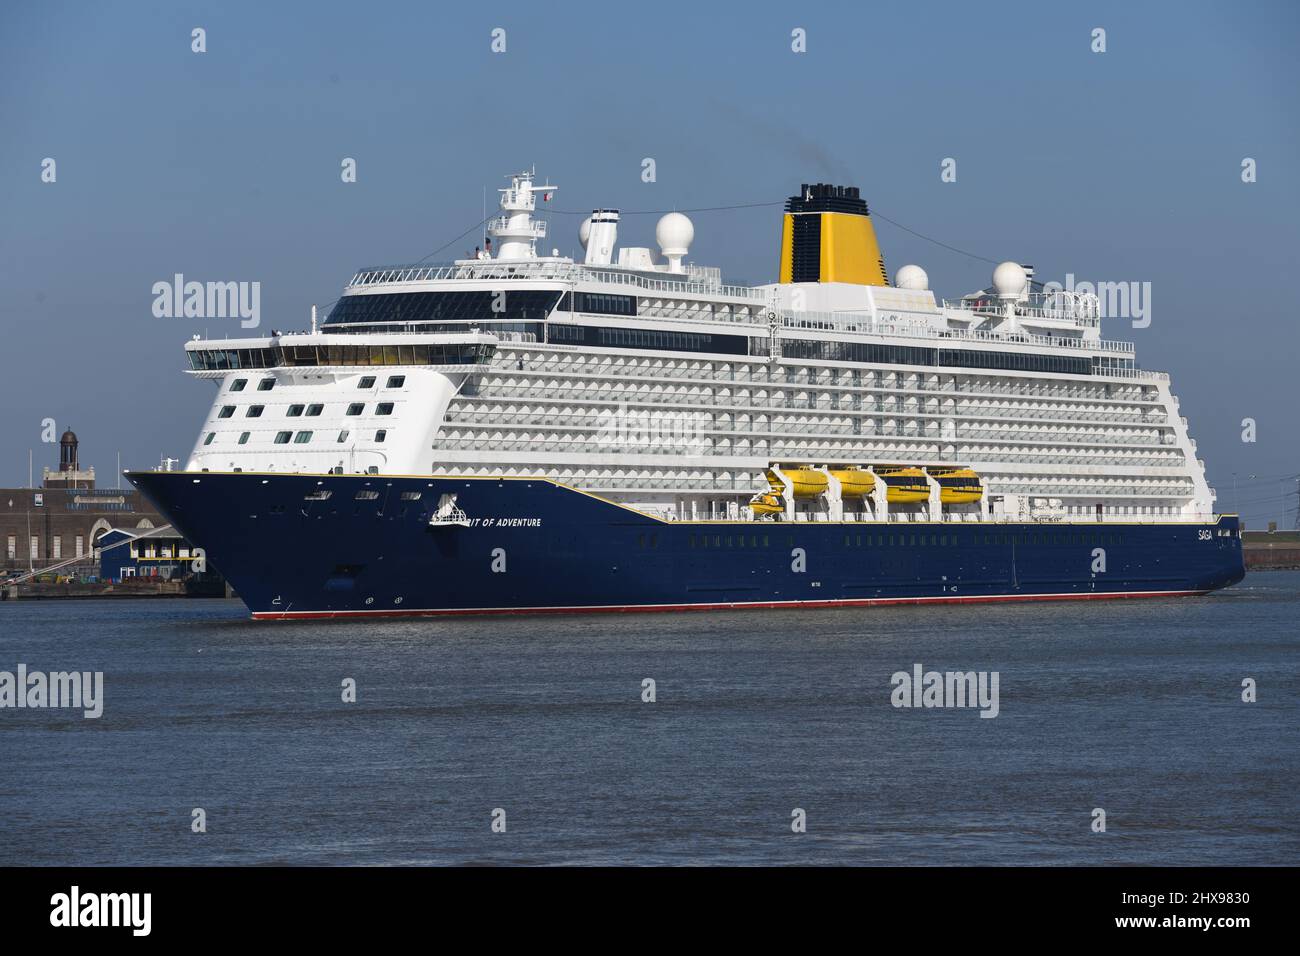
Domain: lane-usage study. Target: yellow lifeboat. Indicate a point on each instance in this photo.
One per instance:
(807, 482)
(906, 485)
(767, 504)
(854, 482)
(957, 486)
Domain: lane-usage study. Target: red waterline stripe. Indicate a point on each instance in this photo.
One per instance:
(738, 606)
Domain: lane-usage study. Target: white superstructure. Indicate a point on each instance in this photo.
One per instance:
(643, 378)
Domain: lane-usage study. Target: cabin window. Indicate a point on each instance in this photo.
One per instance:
(367, 381)
(381, 435)
(314, 410)
(396, 381)
(282, 438)
(238, 384)
(266, 384)
(302, 438)
(243, 437)
(295, 411)
(356, 408)
(208, 440)
(343, 435)
(384, 408)
(254, 411)
(226, 411)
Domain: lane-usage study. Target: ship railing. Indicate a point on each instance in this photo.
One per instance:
(500, 225)
(1039, 516)
(696, 281)
(867, 324)
(1061, 305)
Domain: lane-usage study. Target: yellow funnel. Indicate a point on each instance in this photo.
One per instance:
(827, 236)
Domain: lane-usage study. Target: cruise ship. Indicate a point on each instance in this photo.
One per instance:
(523, 432)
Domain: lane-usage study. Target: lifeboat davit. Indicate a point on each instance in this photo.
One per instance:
(957, 486)
(854, 482)
(806, 482)
(906, 485)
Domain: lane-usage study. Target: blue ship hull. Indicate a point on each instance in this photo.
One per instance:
(306, 546)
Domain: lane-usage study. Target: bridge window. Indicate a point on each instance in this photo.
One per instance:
(600, 303)
(410, 308)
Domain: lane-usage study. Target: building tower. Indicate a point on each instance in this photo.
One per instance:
(68, 451)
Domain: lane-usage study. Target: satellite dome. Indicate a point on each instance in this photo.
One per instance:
(584, 232)
(911, 277)
(674, 233)
(1009, 279)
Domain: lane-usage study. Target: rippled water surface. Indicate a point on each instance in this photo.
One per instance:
(1130, 706)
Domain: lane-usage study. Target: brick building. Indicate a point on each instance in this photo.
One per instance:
(63, 518)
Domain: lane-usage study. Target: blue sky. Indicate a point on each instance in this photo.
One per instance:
(1119, 166)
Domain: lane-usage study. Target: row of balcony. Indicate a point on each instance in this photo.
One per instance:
(1010, 415)
(1058, 391)
(711, 445)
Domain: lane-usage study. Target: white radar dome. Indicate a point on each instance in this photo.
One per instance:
(674, 233)
(1009, 278)
(584, 232)
(912, 277)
